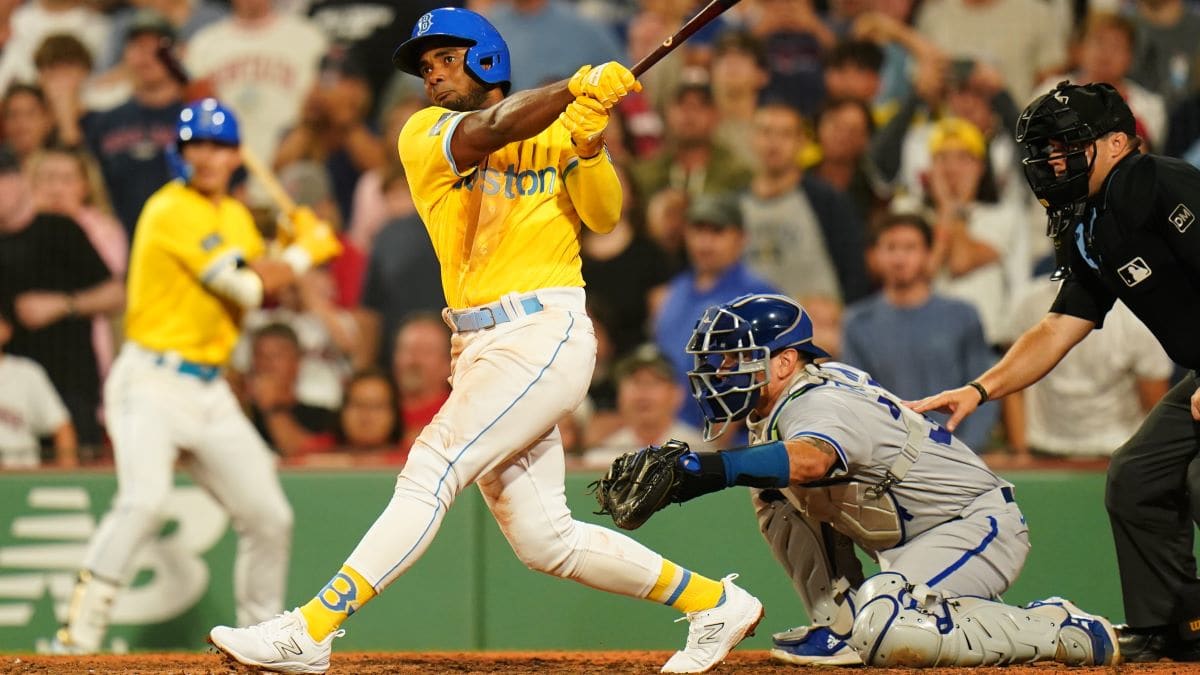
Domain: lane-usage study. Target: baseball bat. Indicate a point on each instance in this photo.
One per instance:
(711, 11)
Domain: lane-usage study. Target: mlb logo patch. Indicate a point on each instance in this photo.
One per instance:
(1182, 218)
(1135, 272)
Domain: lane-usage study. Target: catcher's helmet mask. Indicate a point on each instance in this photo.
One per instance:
(487, 60)
(732, 346)
(1060, 126)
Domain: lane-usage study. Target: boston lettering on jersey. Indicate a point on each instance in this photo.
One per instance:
(512, 183)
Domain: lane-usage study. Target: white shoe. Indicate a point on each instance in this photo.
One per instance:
(278, 645)
(715, 632)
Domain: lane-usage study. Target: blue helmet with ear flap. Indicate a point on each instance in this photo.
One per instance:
(204, 120)
(487, 53)
(732, 346)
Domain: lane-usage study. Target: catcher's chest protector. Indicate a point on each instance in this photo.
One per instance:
(872, 522)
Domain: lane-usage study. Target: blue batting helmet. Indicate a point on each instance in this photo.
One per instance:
(204, 120)
(487, 53)
(733, 343)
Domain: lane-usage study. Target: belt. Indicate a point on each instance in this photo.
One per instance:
(492, 315)
(200, 371)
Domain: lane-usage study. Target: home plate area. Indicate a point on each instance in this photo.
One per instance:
(404, 663)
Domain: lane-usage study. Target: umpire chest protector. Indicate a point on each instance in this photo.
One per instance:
(1138, 242)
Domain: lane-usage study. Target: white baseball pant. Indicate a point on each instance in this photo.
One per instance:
(154, 412)
(511, 383)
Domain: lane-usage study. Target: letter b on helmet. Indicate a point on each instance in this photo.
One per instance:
(487, 54)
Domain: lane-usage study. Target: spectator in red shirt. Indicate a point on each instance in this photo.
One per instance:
(421, 369)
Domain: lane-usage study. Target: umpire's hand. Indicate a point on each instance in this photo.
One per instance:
(1196, 405)
(961, 402)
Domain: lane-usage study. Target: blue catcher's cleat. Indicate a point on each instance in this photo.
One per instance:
(814, 646)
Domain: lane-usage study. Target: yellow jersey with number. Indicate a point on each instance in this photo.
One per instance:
(527, 236)
(181, 238)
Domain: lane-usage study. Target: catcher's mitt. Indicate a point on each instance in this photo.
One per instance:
(640, 483)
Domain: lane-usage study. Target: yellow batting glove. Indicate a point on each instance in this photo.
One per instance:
(315, 236)
(608, 83)
(586, 119)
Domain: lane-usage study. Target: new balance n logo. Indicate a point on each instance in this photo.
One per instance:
(289, 647)
(711, 631)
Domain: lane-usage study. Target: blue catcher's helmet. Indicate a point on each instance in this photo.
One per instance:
(204, 120)
(733, 343)
(487, 54)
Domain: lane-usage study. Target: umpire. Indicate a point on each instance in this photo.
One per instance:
(1124, 228)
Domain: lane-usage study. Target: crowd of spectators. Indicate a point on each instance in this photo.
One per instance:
(856, 155)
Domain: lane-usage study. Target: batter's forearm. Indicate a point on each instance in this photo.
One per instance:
(595, 191)
(516, 118)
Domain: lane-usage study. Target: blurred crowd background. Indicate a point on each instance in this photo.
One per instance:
(856, 155)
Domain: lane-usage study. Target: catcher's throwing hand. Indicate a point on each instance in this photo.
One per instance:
(586, 119)
(640, 483)
(957, 402)
(608, 83)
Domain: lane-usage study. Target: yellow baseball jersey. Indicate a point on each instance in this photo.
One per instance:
(181, 238)
(527, 236)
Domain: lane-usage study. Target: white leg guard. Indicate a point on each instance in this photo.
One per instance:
(820, 561)
(899, 625)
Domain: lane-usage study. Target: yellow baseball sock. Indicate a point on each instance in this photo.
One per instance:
(684, 590)
(342, 596)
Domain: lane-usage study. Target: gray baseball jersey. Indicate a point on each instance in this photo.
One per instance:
(869, 430)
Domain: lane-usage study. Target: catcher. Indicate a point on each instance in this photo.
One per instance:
(835, 461)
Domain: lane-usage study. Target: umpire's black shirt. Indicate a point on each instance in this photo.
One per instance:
(1139, 242)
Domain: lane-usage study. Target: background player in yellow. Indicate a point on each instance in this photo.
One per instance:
(504, 185)
(197, 263)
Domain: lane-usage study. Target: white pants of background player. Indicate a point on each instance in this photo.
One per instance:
(511, 383)
(156, 413)
(934, 604)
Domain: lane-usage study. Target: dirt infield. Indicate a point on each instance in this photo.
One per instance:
(756, 662)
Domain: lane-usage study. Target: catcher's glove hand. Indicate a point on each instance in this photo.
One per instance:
(640, 483)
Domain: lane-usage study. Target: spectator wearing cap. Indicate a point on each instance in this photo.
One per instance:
(692, 159)
(803, 235)
(33, 21)
(54, 282)
(979, 251)
(263, 63)
(940, 338)
(715, 241)
(648, 395)
(30, 409)
(130, 140)
(333, 131)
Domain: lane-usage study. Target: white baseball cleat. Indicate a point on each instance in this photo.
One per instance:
(713, 633)
(278, 645)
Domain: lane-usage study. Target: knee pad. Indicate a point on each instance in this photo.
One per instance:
(889, 629)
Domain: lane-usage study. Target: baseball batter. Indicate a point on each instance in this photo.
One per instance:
(839, 458)
(504, 185)
(197, 263)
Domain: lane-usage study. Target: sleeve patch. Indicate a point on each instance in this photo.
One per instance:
(441, 122)
(1182, 218)
(211, 242)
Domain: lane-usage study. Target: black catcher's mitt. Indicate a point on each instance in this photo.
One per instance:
(640, 483)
